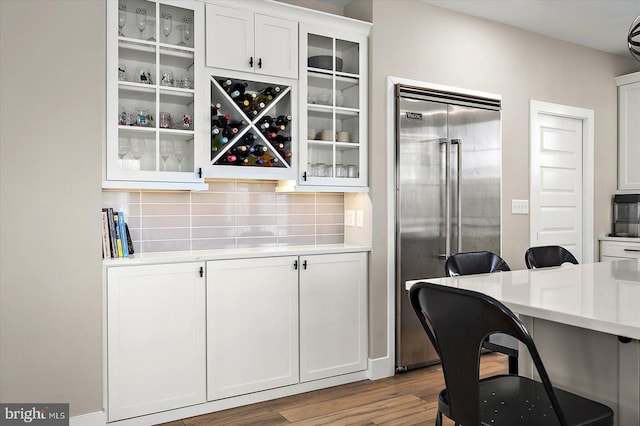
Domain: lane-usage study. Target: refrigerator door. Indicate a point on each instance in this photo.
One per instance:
(421, 147)
(475, 215)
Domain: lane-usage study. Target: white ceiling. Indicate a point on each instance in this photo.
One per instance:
(599, 24)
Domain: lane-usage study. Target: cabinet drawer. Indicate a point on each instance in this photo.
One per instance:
(620, 249)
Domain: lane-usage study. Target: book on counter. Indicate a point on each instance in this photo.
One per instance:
(116, 241)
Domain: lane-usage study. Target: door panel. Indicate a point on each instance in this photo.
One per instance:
(420, 213)
(475, 133)
(556, 183)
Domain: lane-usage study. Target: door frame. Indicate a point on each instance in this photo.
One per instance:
(588, 164)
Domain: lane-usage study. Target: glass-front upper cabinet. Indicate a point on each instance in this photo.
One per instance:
(333, 88)
(154, 52)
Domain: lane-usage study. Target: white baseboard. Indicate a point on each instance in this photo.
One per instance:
(98, 418)
(380, 368)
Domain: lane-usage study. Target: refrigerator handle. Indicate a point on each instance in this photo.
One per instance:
(458, 142)
(447, 202)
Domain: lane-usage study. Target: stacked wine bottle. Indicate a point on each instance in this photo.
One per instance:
(254, 138)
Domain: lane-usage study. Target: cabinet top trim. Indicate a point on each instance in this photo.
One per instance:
(628, 78)
(297, 13)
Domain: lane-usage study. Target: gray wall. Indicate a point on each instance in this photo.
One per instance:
(52, 83)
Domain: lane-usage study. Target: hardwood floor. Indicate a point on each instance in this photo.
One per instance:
(406, 399)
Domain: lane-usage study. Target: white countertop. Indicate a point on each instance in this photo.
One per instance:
(622, 239)
(601, 296)
(238, 253)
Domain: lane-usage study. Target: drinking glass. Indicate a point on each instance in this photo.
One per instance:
(122, 18)
(166, 149)
(124, 146)
(141, 19)
(186, 31)
(138, 148)
(167, 25)
(178, 152)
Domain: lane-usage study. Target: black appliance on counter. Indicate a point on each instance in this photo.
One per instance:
(626, 215)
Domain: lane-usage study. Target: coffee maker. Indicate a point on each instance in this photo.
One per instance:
(626, 215)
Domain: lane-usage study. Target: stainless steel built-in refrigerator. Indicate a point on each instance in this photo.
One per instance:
(447, 195)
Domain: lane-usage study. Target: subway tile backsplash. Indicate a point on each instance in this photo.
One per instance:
(231, 214)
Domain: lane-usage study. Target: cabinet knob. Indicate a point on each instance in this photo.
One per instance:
(259, 62)
(251, 61)
(295, 264)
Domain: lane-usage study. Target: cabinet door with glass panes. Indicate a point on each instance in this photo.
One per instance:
(333, 134)
(154, 52)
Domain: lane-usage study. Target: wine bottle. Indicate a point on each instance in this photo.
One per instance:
(237, 89)
(225, 84)
(270, 91)
(214, 109)
(258, 150)
(281, 138)
(283, 119)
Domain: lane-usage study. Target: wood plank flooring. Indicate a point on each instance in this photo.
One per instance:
(406, 399)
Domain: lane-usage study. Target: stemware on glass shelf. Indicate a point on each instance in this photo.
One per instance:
(138, 148)
(166, 149)
(124, 146)
(167, 25)
(178, 152)
(122, 18)
(186, 32)
(141, 19)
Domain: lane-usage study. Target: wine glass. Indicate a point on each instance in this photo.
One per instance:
(124, 146)
(166, 149)
(167, 24)
(178, 152)
(122, 18)
(141, 19)
(186, 31)
(138, 148)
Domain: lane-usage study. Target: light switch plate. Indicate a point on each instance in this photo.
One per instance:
(350, 218)
(359, 218)
(520, 206)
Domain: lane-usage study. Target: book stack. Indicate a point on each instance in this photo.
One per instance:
(116, 240)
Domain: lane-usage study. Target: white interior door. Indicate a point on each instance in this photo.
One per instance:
(559, 176)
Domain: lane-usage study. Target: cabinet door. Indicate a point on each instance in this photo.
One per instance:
(276, 46)
(629, 136)
(252, 325)
(333, 315)
(333, 134)
(152, 135)
(155, 338)
(230, 38)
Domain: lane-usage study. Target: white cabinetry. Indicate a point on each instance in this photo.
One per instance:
(154, 55)
(619, 250)
(628, 132)
(155, 338)
(333, 315)
(252, 325)
(333, 99)
(241, 40)
(252, 321)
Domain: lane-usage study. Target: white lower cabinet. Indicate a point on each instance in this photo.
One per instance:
(619, 250)
(253, 328)
(155, 338)
(252, 325)
(175, 339)
(333, 315)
